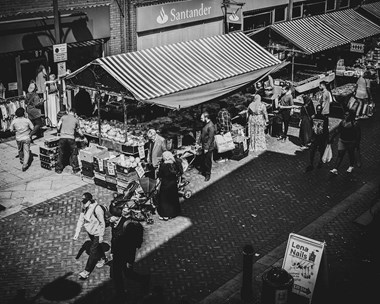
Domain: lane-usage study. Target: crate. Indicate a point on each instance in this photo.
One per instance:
(48, 151)
(51, 142)
(100, 176)
(126, 177)
(239, 156)
(87, 166)
(100, 161)
(107, 143)
(48, 166)
(120, 190)
(87, 173)
(111, 179)
(125, 170)
(86, 179)
(49, 158)
(130, 149)
(122, 183)
(88, 153)
(105, 184)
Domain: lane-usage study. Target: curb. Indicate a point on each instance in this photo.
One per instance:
(231, 289)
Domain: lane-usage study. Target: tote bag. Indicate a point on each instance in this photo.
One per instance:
(224, 142)
(327, 155)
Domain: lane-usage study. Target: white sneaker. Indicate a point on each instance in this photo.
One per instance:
(84, 275)
(334, 171)
(100, 263)
(349, 170)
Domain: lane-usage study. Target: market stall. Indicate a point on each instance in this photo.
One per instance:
(177, 77)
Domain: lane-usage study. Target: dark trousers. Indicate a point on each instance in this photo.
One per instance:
(37, 123)
(67, 147)
(317, 145)
(351, 155)
(96, 253)
(207, 162)
(120, 270)
(285, 115)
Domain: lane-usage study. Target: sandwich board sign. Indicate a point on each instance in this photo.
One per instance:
(302, 260)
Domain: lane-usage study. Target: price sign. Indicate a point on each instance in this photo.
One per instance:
(60, 52)
(100, 162)
(179, 141)
(61, 66)
(141, 152)
(140, 171)
(111, 168)
(245, 144)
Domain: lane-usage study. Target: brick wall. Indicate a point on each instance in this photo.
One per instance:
(116, 40)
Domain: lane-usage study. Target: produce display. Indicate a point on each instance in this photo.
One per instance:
(128, 161)
(344, 90)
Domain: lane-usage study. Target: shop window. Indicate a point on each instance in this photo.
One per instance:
(344, 3)
(257, 21)
(330, 5)
(279, 14)
(297, 11)
(315, 8)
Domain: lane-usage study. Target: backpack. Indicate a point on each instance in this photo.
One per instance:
(105, 213)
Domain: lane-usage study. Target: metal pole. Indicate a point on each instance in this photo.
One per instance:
(99, 122)
(246, 291)
(290, 10)
(292, 66)
(125, 118)
(57, 27)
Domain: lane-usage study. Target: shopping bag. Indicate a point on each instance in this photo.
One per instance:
(327, 155)
(224, 142)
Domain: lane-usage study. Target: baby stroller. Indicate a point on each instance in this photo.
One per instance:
(182, 182)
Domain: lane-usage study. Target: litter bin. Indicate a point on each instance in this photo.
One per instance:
(277, 285)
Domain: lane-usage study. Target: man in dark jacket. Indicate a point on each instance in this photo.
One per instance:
(208, 144)
(319, 137)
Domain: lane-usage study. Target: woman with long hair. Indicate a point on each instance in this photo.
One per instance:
(168, 198)
(257, 121)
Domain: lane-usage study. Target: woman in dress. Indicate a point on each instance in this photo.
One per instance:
(257, 121)
(168, 198)
(52, 104)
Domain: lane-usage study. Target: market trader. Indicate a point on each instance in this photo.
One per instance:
(208, 144)
(285, 106)
(157, 146)
(67, 148)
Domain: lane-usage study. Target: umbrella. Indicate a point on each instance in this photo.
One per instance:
(147, 184)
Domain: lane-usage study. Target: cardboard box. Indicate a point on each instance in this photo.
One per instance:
(88, 153)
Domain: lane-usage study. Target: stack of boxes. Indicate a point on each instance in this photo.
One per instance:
(49, 153)
(124, 176)
(241, 148)
(376, 55)
(86, 157)
(104, 170)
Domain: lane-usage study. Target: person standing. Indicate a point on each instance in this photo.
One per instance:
(33, 104)
(257, 121)
(157, 146)
(92, 219)
(67, 148)
(41, 77)
(363, 95)
(319, 137)
(326, 98)
(52, 103)
(285, 106)
(127, 237)
(208, 144)
(348, 139)
(307, 112)
(224, 125)
(168, 198)
(22, 126)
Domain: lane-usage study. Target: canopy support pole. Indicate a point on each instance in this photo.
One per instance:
(125, 118)
(99, 122)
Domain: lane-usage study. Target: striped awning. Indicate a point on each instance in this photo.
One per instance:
(372, 8)
(350, 24)
(205, 68)
(310, 34)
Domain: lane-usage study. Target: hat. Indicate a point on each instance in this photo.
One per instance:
(87, 195)
(32, 87)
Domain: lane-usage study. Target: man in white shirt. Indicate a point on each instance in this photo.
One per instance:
(92, 218)
(22, 126)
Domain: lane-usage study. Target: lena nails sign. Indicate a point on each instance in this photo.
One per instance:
(175, 13)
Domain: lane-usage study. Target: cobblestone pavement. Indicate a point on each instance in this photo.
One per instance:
(259, 203)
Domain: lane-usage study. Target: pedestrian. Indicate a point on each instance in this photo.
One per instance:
(319, 137)
(347, 130)
(22, 126)
(92, 219)
(208, 144)
(41, 77)
(68, 126)
(33, 105)
(363, 95)
(326, 98)
(257, 122)
(168, 198)
(307, 112)
(52, 103)
(224, 125)
(127, 237)
(285, 106)
(157, 146)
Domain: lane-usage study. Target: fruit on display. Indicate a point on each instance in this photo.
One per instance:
(129, 161)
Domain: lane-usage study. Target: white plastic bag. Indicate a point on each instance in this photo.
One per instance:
(327, 155)
(224, 142)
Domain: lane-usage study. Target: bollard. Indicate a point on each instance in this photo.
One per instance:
(246, 292)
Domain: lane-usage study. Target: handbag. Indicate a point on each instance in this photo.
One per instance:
(327, 155)
(224, 142)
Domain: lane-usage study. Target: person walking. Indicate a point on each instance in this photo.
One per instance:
(363, 95)
(348, 136)
(92, 219)
(319, 137)
(127, 237)
(285, 106)
(157, 146)
(33, 104)
(22, 126)
(306, 131)
(67, 148)
(168, 198)
(208, 143)
(326, 98)
(257, 121)
(224, 125)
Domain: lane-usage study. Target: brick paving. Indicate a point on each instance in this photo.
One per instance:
(259, 203)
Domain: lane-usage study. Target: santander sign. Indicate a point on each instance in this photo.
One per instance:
(185, 14)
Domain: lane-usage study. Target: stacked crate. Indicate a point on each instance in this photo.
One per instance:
(241, 148)
(86, 157)
(102, 176)
(123, 177)
(49, 153)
